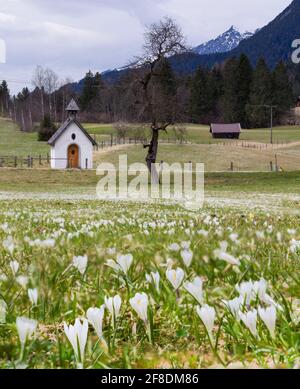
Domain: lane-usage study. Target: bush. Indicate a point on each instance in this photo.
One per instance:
(46, 130)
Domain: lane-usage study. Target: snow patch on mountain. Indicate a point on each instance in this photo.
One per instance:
(225, 42)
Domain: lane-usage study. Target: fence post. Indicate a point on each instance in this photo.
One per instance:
(40, 159)
(16, 162)
(271, 166)
(231, 166)
(111, 140)
(276, 161)
(48, 158)
(86, 163)
(28, 161)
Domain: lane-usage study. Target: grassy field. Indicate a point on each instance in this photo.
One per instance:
(55, 269)
(214, 288)
(14, 142)
(200, 134)
(68, 181)
(215, 157)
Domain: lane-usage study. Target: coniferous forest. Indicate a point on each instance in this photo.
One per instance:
(232, 92)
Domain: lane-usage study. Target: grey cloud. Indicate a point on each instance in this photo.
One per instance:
(73, 36)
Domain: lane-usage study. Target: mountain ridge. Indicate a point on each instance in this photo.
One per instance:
(225, 42)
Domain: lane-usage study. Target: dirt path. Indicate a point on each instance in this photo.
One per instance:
(109, 150)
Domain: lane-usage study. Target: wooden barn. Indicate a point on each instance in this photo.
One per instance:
(226, 131)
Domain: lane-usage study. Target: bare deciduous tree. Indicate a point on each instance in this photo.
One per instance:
(38, 80)
(51, 85)
(162, 40)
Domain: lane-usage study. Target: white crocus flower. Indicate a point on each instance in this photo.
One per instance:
(125, 262)
(112, 264)
(33, 296)
(268, 316)
(23, 281)
(245, 290)
(140, 304)
(77, 336)
(14, 265)
(235, 306)
(250, 321)
(295, 246)
(3, 277)
(174, 247)
(95, 317)
(195, 288)
(224, 256)
(175, 277)
(111, 251)
(3, 310)
(260, 289)
(80, 263)
(186, 245)
(26, 329)
(207, 315)
(113, 304)
(154, 278)
(187, 257)
(9, 245)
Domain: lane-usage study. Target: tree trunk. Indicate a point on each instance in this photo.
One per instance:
(152, 155)
(42, 102)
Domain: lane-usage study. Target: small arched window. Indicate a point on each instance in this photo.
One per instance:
(73, 136)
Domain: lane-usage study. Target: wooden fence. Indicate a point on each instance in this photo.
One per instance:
(114, 141)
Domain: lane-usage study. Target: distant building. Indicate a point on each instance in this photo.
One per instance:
(71, 146)
(226, 131)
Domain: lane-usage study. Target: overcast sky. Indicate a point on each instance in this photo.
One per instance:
(73, 36)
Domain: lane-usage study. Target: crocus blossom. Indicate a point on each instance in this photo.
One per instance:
(140, 304)
(268, 316)
(33, 296)
(175, 277)
(26, 328)
(113, 304)
(77, 336)
(187, 257)
(250, 321)
(95, 317)
(207, 315)
(154, 278)
(195, 288)
(80, 263)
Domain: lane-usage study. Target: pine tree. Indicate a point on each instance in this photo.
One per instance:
(282, 90)
(91, 91)
(231, 87)
(46, 130)
(166, 78)
(164, 91)
(199, 102)
(4, 98)
(244, 79)
(260, 95)
(237, 82)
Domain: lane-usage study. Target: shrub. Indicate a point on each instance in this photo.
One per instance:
(46, 130)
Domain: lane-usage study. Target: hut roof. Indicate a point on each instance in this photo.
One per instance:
(225, 128)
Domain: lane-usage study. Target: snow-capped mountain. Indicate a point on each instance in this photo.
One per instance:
(227, 41)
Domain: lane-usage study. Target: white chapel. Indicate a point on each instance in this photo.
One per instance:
(71, 146)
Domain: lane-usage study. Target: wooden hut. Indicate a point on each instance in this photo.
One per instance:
(226, 131)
